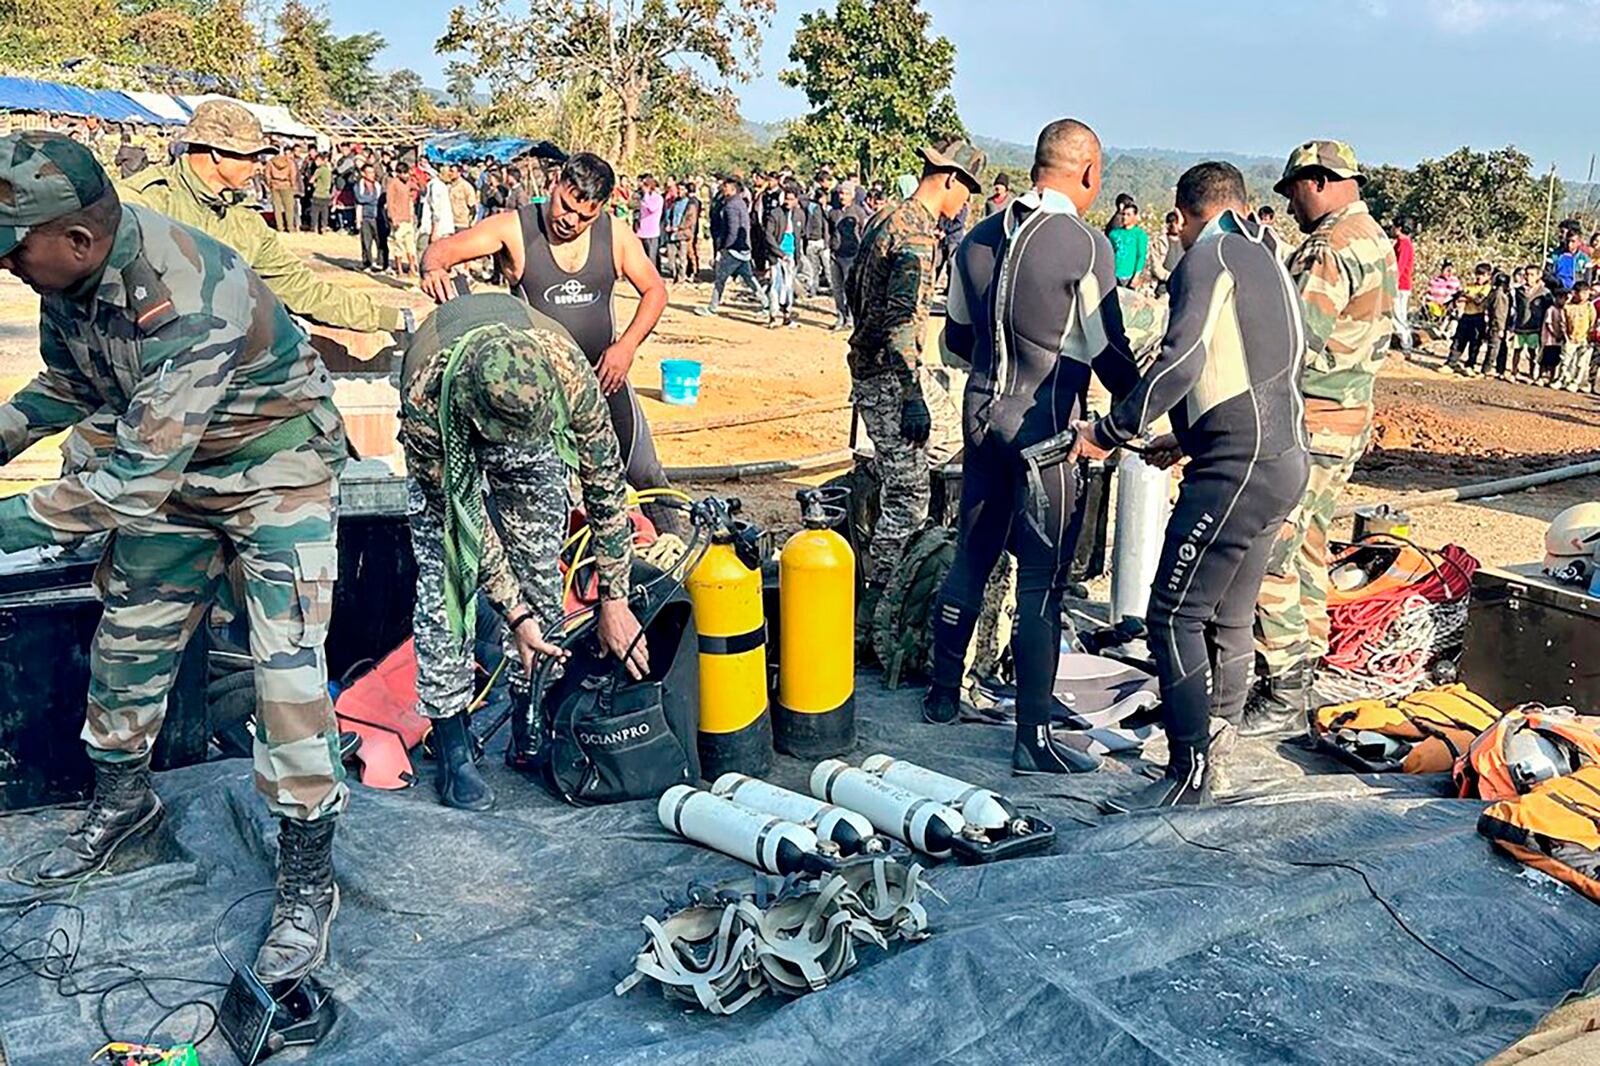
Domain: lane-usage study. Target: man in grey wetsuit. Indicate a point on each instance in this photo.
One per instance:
(1229, 376)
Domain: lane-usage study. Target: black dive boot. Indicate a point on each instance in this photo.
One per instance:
(941, 705)
(456, 775)
(1037, 752)
(1277, 704)
(1187, 783)
(123, 806)
(306, 903)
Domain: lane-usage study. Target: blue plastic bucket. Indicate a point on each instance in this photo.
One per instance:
(680, 381)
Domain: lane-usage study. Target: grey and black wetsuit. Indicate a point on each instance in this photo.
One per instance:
(1229, 375)
(1033, 308)
(581, 302)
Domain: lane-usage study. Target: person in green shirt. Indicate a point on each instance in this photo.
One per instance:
(1131, 246)
(321, 192)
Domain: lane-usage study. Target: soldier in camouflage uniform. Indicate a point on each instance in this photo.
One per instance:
(1346, 273)
(890, 289)
(227, 447)
(495, 391)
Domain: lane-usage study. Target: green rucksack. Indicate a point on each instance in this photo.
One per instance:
(902, 630)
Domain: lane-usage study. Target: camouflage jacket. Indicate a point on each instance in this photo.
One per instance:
(890, 289)
(196, 357)
(175, 190)
(1347, 277)
(598, 456)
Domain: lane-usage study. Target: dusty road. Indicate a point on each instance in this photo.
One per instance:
(790, 390)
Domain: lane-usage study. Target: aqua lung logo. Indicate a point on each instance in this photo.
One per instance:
(621, 736)
(1189, 551)
(570, 293)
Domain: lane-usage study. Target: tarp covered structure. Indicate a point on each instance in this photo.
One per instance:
(168, 107)
(462, 148)
(26, 94)
(1327, 918)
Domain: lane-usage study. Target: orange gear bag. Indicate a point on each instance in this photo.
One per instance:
(1431, 728)
(1555, 828)
(1484, 771)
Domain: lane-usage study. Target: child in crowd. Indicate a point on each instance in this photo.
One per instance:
(1577, 320)
(1497, 325)
(1442, 290)
(1530, 302)
(1552, 332)
(1470, 330)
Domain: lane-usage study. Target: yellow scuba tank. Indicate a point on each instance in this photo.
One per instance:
(816, 713)
(725, 588)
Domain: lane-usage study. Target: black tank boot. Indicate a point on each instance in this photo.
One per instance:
(456, 775)
(941, 705)
(1277, 705)
(1187, 783)
(1037, 752)
(306, 904)
(123, 806)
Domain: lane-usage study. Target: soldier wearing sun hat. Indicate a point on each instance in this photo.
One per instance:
(1347, 277)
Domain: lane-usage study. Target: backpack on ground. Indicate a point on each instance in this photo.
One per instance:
(1555, 828)
(902, 631)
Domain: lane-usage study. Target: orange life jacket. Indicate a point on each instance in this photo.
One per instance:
(1484, 771)
(1436, 726)
(1555, 828)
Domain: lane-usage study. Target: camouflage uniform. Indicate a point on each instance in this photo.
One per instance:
(514, 362)
(227, 448)
(1346, 273)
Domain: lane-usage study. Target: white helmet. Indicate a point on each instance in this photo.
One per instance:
(1573, 539)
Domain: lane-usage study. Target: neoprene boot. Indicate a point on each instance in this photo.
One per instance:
(455, 773)
(123, 806)
(1277, 704)
(941, 705)
(306, 903)
(1187, 783)
(1037, 752)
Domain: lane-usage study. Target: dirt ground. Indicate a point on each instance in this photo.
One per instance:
(783, 394)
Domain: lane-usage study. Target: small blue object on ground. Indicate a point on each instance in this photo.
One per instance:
(680, 381)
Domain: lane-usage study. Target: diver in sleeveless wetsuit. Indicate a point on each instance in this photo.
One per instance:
(1033, 309)
(566, 256)
(1229, 376)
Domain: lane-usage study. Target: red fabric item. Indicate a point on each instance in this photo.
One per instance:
(1405, 256)
(381, 707)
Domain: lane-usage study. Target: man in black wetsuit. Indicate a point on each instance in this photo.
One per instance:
(565, 256)
(1229, 376)
(1033, 308)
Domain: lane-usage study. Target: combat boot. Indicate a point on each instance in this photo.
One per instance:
(1277, 704)
(307, 901)
(456, 774)
(123, 806)
(1037, 752)
(1187, 783)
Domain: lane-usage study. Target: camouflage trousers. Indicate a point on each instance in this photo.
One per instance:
(902, 468)
(275, 522)
(528, 503)
(997, 619)
(1292, 609)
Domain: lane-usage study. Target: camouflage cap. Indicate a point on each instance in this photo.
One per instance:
(227, 126)
(963, 158)
(43, 177)
(1336, 157)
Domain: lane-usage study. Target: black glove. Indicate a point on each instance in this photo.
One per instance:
(915, 421)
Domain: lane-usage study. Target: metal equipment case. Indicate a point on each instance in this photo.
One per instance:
(1529, 638)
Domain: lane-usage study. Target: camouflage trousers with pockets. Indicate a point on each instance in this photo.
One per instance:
(275, 521)
(528, 501)
(1292, 608)
(902, 467)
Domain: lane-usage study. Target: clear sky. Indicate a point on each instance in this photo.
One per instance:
(1398, 79)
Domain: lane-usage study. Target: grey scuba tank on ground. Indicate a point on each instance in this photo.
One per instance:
(927, 825)
(767, 843)
(852, 833)
(1143, 503)
(994, 828)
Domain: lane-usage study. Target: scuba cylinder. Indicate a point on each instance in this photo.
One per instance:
(979, 806)
(925, 824)
(725, 588)
(1143, 493)
(815, 713)
(852, 832)
(767, 843)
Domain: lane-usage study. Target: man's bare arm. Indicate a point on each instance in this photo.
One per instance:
(635, 266)
(494, 235)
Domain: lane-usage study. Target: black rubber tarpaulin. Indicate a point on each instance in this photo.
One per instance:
(1272, 930)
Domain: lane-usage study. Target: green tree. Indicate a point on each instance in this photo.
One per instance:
(461, 84)
(626, 48)
(877, 82)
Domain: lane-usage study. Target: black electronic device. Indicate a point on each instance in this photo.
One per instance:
(246, 1016)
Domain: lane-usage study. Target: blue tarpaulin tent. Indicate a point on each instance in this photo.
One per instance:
(25, 94)
(460, 148)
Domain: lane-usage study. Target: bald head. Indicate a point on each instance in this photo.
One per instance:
(1067, 159)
